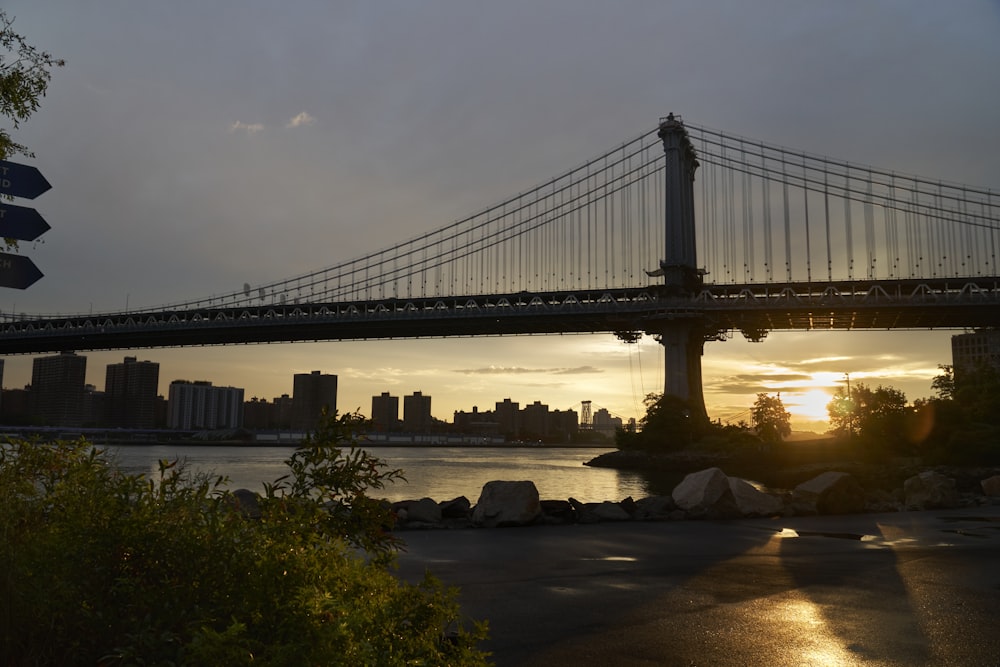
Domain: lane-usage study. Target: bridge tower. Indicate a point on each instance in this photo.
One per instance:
(682, 334)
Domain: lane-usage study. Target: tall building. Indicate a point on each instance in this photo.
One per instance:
(385, 412)
(130, 393)
(200, 406)
(311, 394)
(57, 388)
(604, 422)
(508, 416)
(417, 412)
(971, 351)
(535, 420)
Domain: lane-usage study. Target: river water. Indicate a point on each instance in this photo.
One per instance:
(441, 473)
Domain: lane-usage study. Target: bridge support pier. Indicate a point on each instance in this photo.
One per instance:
(683, 345)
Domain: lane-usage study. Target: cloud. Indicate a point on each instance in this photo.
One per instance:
(518, 370)
(249, 128)
(301, 119)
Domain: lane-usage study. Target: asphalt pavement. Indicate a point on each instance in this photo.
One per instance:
(908, 588)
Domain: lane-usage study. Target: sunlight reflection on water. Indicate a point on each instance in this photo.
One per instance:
(441, 473)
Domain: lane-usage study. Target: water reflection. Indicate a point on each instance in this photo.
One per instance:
(441, 473)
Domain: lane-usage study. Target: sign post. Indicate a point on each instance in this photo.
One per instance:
(21, 180)
(20, 222)
(17, 271)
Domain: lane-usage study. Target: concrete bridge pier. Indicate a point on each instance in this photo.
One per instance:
(683, 345)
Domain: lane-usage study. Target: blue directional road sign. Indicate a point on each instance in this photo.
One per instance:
(17, 271)
(21, 180)
(21, 222)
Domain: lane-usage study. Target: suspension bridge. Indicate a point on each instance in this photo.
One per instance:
(632, 243)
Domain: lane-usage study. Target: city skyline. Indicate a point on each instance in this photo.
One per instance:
(193, 149)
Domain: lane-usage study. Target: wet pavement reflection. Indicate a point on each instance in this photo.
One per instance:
(919, 588)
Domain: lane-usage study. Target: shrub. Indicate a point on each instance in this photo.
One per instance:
(102, 567)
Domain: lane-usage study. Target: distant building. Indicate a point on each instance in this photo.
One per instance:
(258, 414)
(312, 393)
(476, 422)
(534, 420)
(130, 393)
(57, 389)
(508, 417)
(417, 412)
(282, 412)
(200, 406)
(603, 422)
(971, 351)
(385, 412)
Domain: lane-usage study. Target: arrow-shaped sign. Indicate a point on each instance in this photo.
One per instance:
(17, 271)
(21, 180)
(21, 222)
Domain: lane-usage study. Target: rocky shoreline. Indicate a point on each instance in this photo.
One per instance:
(707, 492)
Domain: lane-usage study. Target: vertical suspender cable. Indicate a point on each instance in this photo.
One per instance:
(847, 225)
(826, 210)
(788, 223)
(805, 207)
(870, 245)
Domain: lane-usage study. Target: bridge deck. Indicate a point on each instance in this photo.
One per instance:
(752, 309)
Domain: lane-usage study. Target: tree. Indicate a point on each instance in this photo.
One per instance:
(25, 73)
(944, 384)
(877, 415)
(771, 421)
(104, 567)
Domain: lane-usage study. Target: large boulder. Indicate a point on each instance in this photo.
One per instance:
(706, 493)
(603, 511)
(831, 493)
(247, 503)
(507, 504)
(991, 486)
(653, 508)
(752, 502)
(930, 490)
(425, 510)
(456, 508)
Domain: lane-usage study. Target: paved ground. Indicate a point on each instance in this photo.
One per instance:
(914, 588)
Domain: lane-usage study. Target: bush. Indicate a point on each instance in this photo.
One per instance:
(102, 567)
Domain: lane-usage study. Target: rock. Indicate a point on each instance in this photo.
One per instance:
(558, 511)
(752, 502)
(456, 508)
(880, 500)
(830, 493)
(247, 504)
(609, 511)
(991, 486)
(425, 510)
(654, 508)
(706, 494)
(930, 490)
(504, 503)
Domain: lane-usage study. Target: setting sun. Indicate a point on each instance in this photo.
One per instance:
(809, 405)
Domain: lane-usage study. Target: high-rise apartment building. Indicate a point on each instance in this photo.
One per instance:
(417, 412)
(130, 393)
(385, 412)
(508, 417)
(57, 388)
(971, 351)
(199, 405)
(311, 394)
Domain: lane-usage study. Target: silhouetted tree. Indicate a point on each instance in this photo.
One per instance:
(771, 421)
(24, 77)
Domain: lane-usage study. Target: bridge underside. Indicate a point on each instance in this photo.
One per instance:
(751, 309)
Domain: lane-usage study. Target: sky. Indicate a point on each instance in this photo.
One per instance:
(194, 147)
